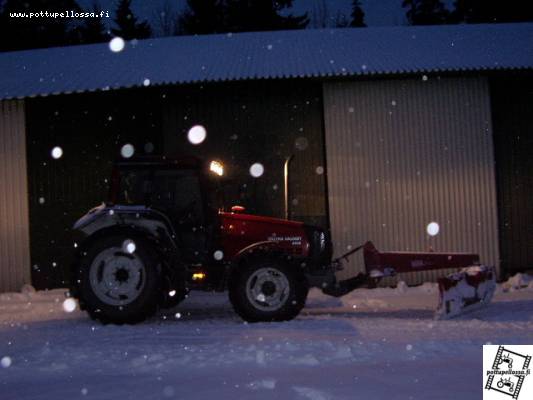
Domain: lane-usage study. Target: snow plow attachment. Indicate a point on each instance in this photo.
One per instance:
(466, 290)
(470, 287)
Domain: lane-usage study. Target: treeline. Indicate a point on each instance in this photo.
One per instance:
(221, 16)
(434, 12)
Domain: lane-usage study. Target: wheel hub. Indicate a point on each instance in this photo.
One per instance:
(267, 289)
(122, 275)
(117, 278)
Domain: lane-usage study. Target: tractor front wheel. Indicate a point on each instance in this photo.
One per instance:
(267, 290)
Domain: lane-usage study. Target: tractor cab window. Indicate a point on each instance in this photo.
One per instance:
(178, 194)
(134, 187)
(174, 192)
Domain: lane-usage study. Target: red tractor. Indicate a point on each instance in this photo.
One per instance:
(163, 233)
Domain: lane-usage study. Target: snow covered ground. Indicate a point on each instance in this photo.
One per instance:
(370, 344)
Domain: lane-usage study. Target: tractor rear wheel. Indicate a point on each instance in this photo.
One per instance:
(267, 290)
(119, 280)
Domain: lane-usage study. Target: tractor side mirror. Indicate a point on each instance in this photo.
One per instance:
(237, 209)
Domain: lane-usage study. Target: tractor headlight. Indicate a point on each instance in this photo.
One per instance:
(322, 241)
(320, 247)
(216, 167)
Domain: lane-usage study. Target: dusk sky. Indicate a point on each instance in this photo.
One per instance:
(378, 12)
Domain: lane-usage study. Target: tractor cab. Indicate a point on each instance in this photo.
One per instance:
(184, 191)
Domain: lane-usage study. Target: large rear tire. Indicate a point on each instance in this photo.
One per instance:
(266, 290)
(119, 280)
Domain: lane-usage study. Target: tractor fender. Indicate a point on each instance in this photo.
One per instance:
(130, 220)
(259, 250)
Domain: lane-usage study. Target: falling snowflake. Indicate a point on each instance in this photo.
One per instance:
(127, 150)
(57, 152)
(116, 44)
(41, 200)
(69, 305)
(129, 246)
(149, 147)
(319, 170)
(301, 143)
(146, 82)
(6, 362)
(256, 170)
(218, 255)
(409, 347)
(433, 229)
(197, 134)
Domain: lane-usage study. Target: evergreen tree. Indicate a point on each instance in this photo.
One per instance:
(32, 33)
(487, 11)
(166, 20)
(426, 12)
(217, 16)
(358, 15)
(92, 30)
(127, 24)
(203, 17)
(262, 15)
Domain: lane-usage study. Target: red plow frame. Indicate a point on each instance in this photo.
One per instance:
(470, 286)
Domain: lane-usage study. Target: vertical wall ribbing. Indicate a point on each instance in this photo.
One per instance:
(14, 228)
(404, 153)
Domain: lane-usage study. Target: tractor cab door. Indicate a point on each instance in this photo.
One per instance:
(178, 194)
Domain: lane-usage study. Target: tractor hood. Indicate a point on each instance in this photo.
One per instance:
(260, 219)
(241, 231)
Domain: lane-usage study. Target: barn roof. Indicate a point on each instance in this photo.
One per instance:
(267, 55)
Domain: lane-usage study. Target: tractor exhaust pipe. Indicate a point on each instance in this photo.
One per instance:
(286, 184)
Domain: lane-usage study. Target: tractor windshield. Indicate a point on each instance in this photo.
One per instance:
(175, 192)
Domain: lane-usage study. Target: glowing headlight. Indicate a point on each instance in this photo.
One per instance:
(322, 239)
(217, 168)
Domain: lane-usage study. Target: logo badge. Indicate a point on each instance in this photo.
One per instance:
(507, 372)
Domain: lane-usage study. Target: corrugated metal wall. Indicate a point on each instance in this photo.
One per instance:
(14, 225)
(404, 153)
(512, 106)
(256, 122)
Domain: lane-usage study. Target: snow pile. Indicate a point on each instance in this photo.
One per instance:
(31, 305)
(517, 282)
(424, 296)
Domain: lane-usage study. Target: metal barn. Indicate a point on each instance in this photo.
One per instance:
(389, 128)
